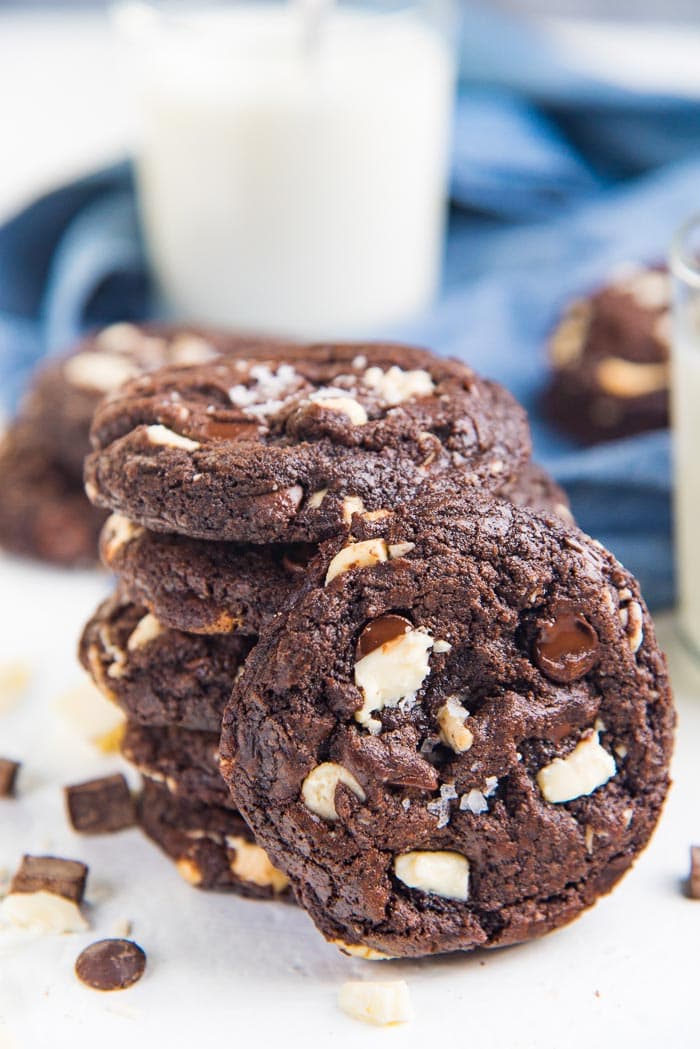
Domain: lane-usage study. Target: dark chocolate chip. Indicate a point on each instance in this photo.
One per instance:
(296, 557)
(101, 806)
(51, 874)
(230, 431)
(8, 777)
(111, 965)
(566, 646)
(694, 879)
(379, 631)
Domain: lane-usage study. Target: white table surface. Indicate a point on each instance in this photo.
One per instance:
(223, 970)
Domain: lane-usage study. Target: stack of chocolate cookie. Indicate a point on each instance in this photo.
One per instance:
(445, 719)
(45, 514)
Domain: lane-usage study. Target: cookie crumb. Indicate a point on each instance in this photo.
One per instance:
(379, 1003)
(111, 965)
(8, 777)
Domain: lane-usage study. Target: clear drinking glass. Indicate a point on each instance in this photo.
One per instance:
(685, 267)
(292, 158)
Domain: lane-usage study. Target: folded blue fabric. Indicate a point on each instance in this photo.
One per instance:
(541, 213)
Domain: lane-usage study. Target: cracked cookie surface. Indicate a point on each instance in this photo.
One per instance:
(457, 733)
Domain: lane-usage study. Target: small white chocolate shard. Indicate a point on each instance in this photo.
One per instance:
(568, 339)
(379, 1003)
(358, 950)
(145, 631)
(375, 515)
(623, 378)
(453, 732)
(189, 870)
(90, 714)
(191, 349)
(346, 406)
(42, 912)
(441, 646)
(357, 555)
(634, 625)
(316, 498)
(392, 672)
(120, 338)
(396, 385)
(103, 372)
(318, 789)
(352, 504)
(586, 768)
(251, 863)
(118, 531)
(400, 549)
(161, 435)
(443, 874)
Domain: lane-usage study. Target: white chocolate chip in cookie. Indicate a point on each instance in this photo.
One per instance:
(118, 531)
(189, 870)
(42, 911)
(358, 950)
(357, 555)
(344, 405)
(191, 349)
(376, 1003)
(318, 789)
(568, 340)
(120, 337)
(103, 372)
(443, 874)
(453, 732)
(316, 498)
(145, 631)
(396, 385)
(252, 864)
(586, 768)
(650, 288)
(626, 379)
(158, 434)
(352, 504)
(392, 672)
(400, 549)
(633, 622)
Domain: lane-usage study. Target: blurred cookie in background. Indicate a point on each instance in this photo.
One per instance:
(609, 357)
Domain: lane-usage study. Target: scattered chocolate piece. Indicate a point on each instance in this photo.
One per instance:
(379, 631)
(51, 874)
(8, 777)
(694, 879)
(111, 965)
(101, 806)
(566, 646)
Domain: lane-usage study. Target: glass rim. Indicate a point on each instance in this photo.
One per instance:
(684, 266)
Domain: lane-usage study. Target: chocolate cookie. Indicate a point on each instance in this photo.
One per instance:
(66, 391)
(156, 675)
(212, 847)
(286, 447)
(43, 512)
(457, 733)
(210, 588)
(610, 359)
(185, 762)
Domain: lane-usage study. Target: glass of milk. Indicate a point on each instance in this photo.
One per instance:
(292, 159)
(685, 266)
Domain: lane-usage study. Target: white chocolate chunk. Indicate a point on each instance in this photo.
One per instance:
(99, 371)
(376, 1003)
(399, 549)
(396, 385)
(358, 950)
(189, 870)
(191, 349)
(145, 631)
(158, 434)
(352, 505)
(634, 625)
(651, 289)
(474, 801)
(88, 713)
(441, 873)
(442, 646)
(623, 378)
(357, 555)
(251, 863)
(42, 912)
(120, 338)
(586, 768)
(316, 498)
(346, 406)
(117, 532)
(318, 789)
(451, 717)
(392, 672)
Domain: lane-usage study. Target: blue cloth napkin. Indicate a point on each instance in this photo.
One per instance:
(555, 181)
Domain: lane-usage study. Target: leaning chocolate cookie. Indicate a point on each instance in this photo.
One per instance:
(44, 514)
(457, 734)
(287, 446)
(212, 588)
(212, 847)
(184, 761)
(610, 359)
(156, 675)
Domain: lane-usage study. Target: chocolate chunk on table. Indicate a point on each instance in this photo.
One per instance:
(111, 965)
(101, 806)
(8, 777)
(51, 874)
